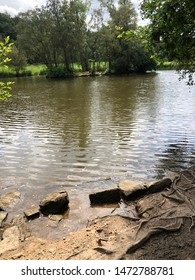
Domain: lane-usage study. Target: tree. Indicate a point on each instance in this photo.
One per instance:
(35, 36)
(18, 59)
(7, 26)
(78, 12)
(141, 57)
(100, 38)
(119, 15)
(172, 31)
(124, 56)
(69, 26)
(122, 15)
(5, 49)
(55, 34)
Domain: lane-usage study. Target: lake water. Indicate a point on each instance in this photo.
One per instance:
(75, 133)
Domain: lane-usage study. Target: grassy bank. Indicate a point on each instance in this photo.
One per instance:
(29, 70)
(41, 69)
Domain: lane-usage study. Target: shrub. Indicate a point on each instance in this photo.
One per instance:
(58, 72)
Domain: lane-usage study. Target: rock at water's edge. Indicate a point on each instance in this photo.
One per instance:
(55, 203)
(6, 200)
(131, 189)
(159, 186)
(108, 196)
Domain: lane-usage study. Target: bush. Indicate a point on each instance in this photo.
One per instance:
(120, 65)
(145, 63)
(57, 72)
(133, 60)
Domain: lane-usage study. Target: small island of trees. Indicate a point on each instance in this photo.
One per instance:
(69, 36)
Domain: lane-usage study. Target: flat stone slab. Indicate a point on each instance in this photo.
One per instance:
(3, 217)
(108, 196)
(130, 189)
(159, 186)
(8, 199)
(56, 217)
(55, 203)
(133, 189)
(32, 213)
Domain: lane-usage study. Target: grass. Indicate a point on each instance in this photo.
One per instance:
(6, 72)
(99, 66)
(29, 70)
(38, 69)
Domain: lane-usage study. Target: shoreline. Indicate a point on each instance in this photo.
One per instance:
(108, 237)
(26, 73)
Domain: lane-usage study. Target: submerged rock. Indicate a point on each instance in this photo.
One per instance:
(8, 199)
(56, 217)
(32, 213)
(3, 217)
(108, 196)
(55, 203)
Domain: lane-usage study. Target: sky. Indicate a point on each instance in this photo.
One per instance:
(13, 7)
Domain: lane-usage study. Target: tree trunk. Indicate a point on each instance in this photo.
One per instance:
(66, 62)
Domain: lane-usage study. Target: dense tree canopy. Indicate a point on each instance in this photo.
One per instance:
(54, 34)
(7, 26)
(172, 30)
(124, 56)
(17, 60)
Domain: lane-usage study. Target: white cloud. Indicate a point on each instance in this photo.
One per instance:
(9, 10)
(13, 7)
(22, 5)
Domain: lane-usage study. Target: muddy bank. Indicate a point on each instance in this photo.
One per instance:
(151, 225)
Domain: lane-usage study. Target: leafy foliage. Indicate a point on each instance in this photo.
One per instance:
(116, 40)
(55, 33)
(18, 60)
(172, 31)
(58, 72)
(5, 88)
(7, 26)
(5, 49)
